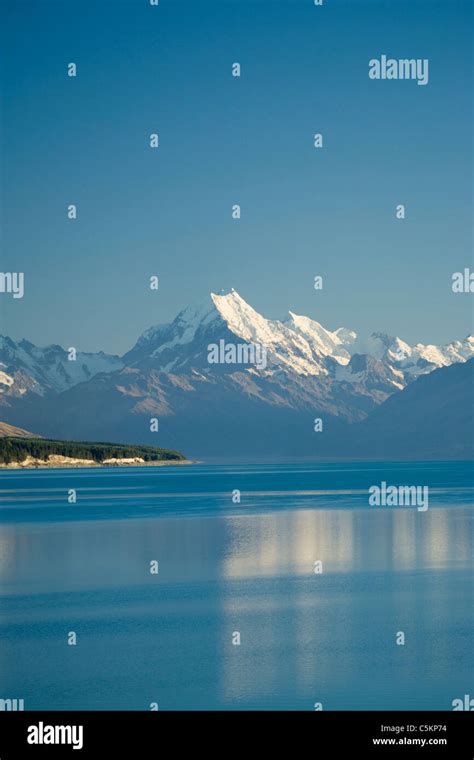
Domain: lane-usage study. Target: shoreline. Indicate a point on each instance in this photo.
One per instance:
(84, 463)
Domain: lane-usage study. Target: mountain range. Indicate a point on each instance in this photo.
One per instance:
(367, 392)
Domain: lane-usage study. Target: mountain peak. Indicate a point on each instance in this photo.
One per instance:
(323, 342)
(196, 313)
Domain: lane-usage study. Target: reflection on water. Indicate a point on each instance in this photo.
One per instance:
(305, 637)
(271, 543)
(92, 554)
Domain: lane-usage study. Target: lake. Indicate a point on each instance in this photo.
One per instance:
(230, 570)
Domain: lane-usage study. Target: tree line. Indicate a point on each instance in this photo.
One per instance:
(17, 449)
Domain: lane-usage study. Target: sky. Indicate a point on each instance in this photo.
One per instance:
(224, 140)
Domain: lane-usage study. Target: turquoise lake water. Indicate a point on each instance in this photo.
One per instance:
(228, 568)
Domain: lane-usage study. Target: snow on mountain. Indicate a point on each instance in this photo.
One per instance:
(298, 345)
(443, 356)
(322, 341)
(5, 380)
(165, 346)
(348, 337)
(286, 347)
(417, 360)
(372, 373)
(26, 368)
(309, 372)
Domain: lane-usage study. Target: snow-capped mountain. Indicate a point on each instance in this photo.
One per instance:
(26, 368)
(323, 342)
(372, 373)
(419, 359)
(298, 345)
(309, 372)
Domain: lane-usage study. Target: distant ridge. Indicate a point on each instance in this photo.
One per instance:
(432, 418)
(11, 431)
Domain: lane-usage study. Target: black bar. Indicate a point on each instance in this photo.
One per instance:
(324, 734)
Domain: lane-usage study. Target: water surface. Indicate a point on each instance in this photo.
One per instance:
(227, 568)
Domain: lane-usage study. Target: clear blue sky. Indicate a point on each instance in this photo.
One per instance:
(224, 140)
